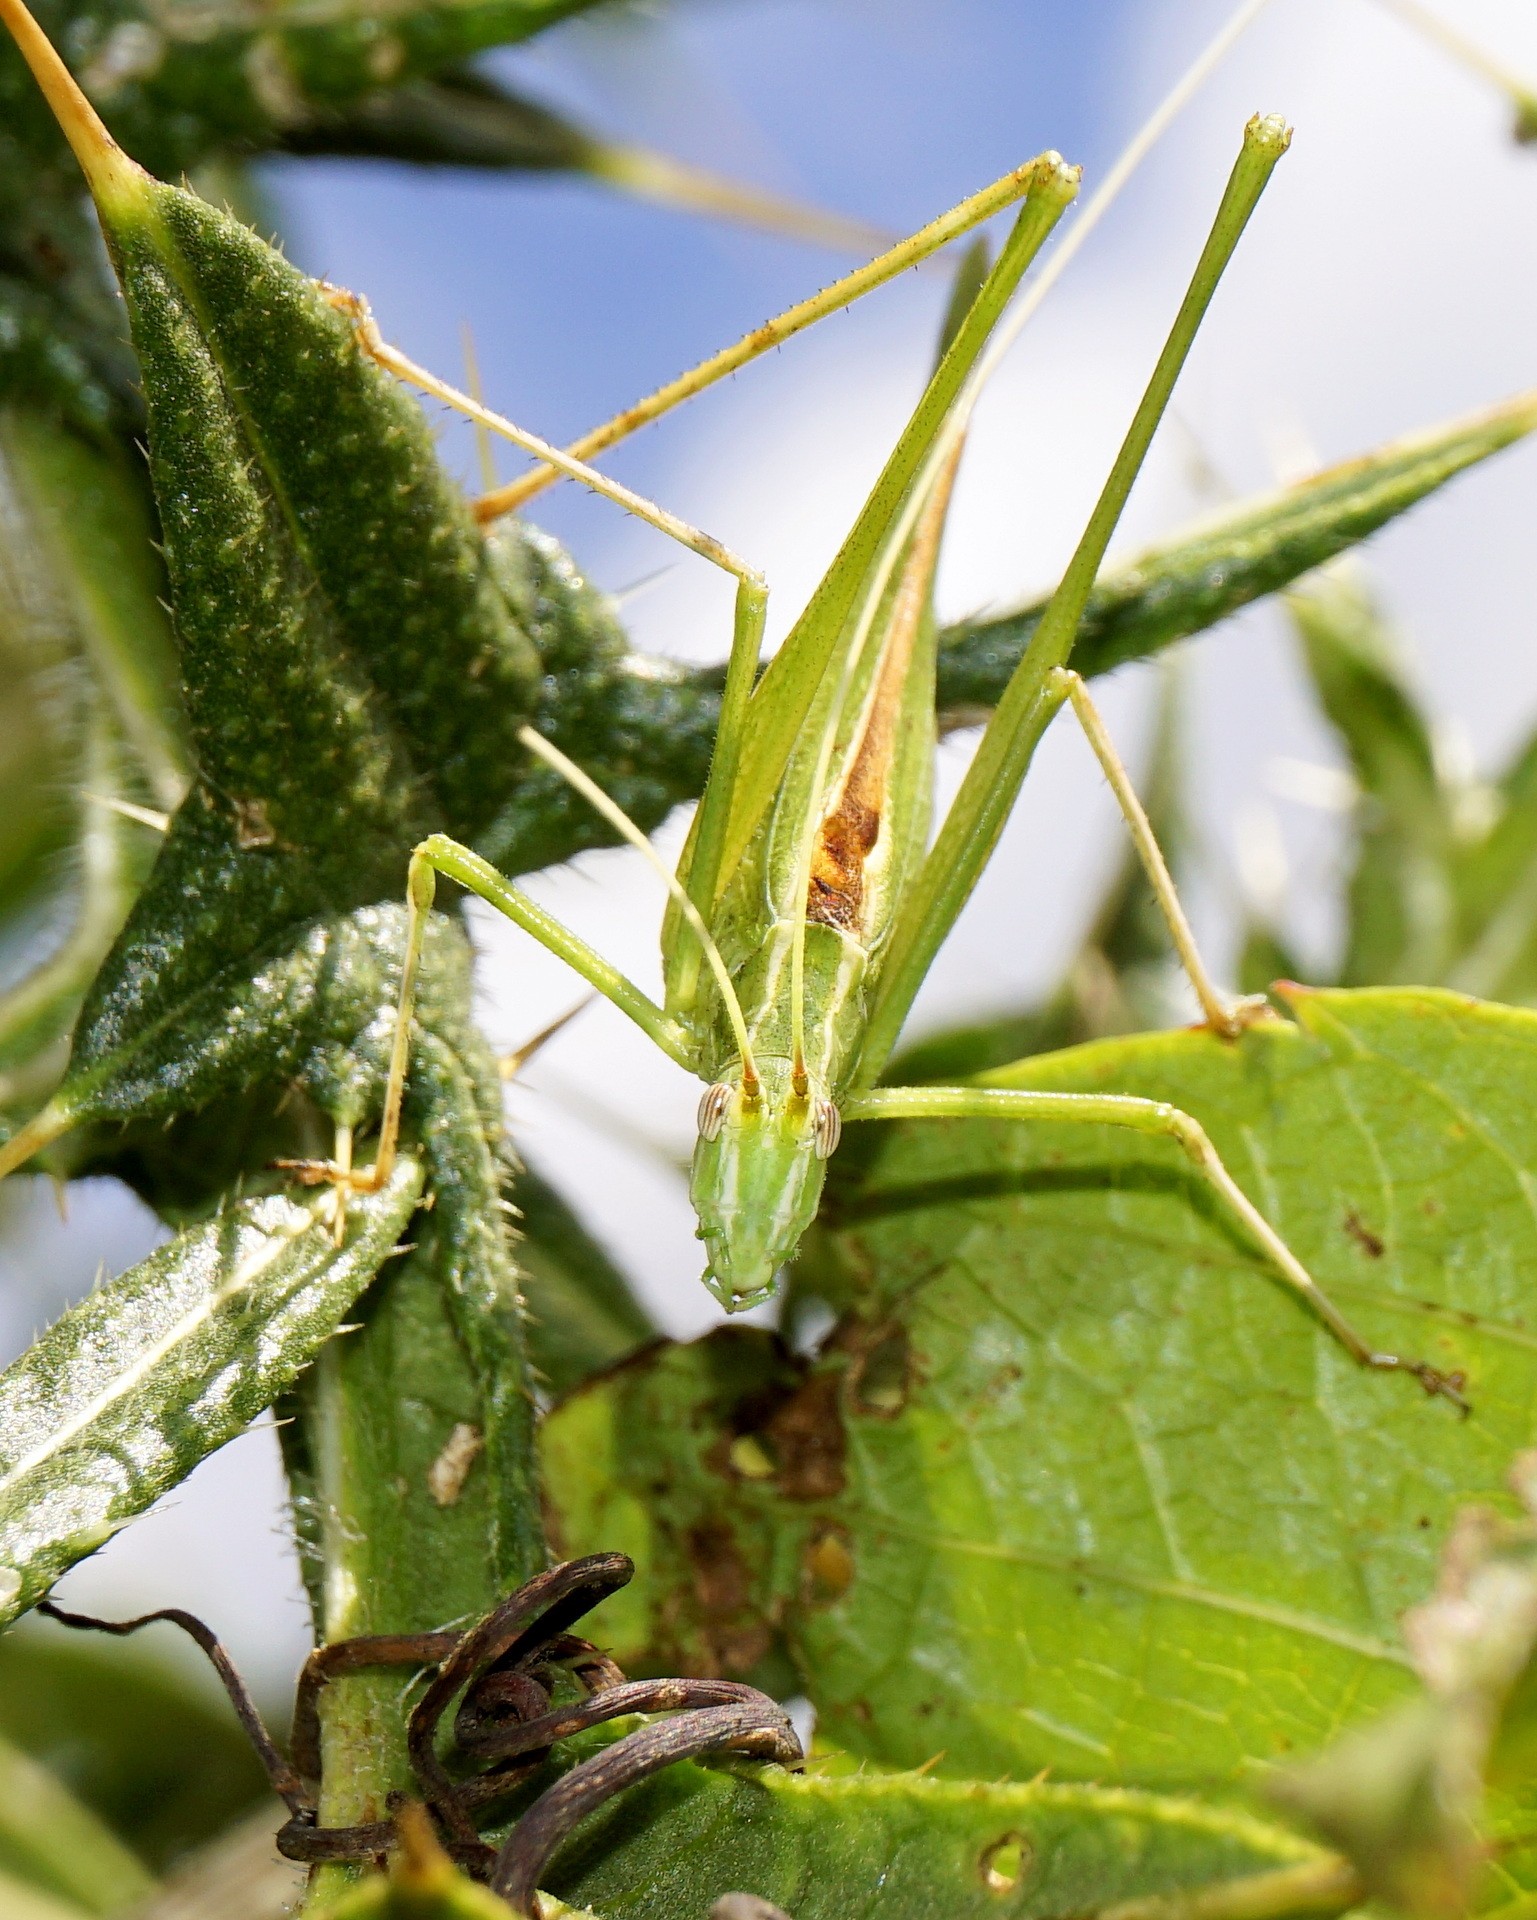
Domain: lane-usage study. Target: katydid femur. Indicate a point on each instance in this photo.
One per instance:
(808, 905)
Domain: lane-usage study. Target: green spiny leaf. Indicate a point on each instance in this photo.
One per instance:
(1074, 1483)
(128, 1391)
(903, 1847)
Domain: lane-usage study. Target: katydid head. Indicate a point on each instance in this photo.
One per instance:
(758, 1171)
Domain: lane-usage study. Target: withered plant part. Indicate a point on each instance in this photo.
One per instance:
(503, 1674)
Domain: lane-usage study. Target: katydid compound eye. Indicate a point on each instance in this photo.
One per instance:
(829, 1129)
(712, 1110)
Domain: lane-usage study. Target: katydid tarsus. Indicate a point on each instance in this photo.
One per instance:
(808, 903)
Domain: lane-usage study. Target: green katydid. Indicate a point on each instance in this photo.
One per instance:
(807, 904)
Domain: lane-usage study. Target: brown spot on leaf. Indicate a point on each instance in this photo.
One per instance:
(719, 1572)
(804, 1436)
(1371, 1244)
(734, 1638)
(448, 1473)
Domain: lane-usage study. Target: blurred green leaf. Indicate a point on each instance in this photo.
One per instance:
(1400, 914)
(50, 1842)
(124, 1395)
(159, 1758)
(466, 118)
(842, 1847)
(1074, 1483)
(92, 723)
(21, 1902)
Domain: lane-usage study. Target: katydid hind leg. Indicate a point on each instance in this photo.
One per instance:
(1157, 1119)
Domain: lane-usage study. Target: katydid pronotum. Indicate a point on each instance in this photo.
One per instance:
(808, 902)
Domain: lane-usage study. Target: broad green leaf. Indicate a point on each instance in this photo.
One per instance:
(582, 1314)
(160, 1759)
(1075, 1483)
(840, 1848)
(50, 1842)
(124, 1395)
(1188, 583)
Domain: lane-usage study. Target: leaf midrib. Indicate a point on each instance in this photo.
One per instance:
(1186, 1592)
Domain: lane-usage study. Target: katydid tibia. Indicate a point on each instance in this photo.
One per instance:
(808, 902)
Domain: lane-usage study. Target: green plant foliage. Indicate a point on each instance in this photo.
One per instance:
(1073, 1483)
(50, 1842)
(174, 91)
(323, 754)
(125, 1394)
(841, 1848)
(92, 719)
(161, 1760)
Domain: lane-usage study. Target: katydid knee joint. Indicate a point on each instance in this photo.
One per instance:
(422, 879)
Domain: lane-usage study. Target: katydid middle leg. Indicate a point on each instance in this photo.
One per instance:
(1228, 1018)
(1157, 1119)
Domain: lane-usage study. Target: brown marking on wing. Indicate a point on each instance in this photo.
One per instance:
(846, 836)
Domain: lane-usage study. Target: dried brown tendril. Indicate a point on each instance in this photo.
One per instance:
(503, 1674)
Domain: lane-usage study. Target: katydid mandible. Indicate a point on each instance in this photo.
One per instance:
(808, 903)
